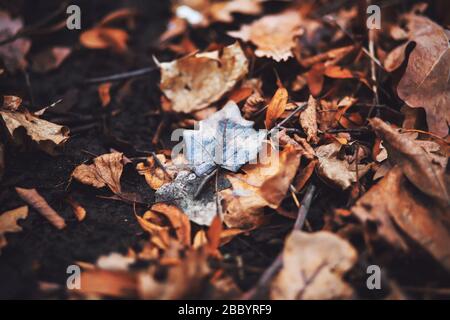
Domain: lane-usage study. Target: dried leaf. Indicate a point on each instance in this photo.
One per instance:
(276, 107)
(105, 171)
(77, 209)
(154, 174)
(263, 184)
(116, 284)
(178, 221)
(8, 223)
(308, 120)
(195, 82)
(104, 38)
(422, 168)
(115, 262)
(393, 203)
(225, 139)
(2, 160)
(13, 54)
(104, 93)
(313, 267)
(34, 199)
(426, 81)
(274, 35)
(47, 135)
(339, 171)
(50, 59)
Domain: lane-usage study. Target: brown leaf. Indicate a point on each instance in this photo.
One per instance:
(13, 54)
(308, 120)
(8, 223)
(315, 79)
(116, 284)
(195, 82)
(77, 209)
(2, 160)
(105, 171)
(178, 220)
(104, 93)
(339, 171)
(422, 168)
(34, 199)
(263, 184)
(47, 135)
(313, 267)
(104, 38)
(274, 35)
(394, 202)
(426, 81)
(214, 234)
(154, 175)
(50, 59)
(276, 107)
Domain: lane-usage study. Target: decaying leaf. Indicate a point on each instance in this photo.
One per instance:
(104, 93)
(77, 209)
(34, 199)
(105, 37)
(105, 171)
(98, 283)
(262, 184)
(13, 54)
(50, 59)
(393, 203)
(181, 192)
(154, 174)
(115, 262)
(2, 160)
(225, 139)
(426, 81)
(176, 219)
(276, 107)
(8, 223)
(426, 170)
(21, 123)
(194, 82)
(337, 170)
(273, 35)
(203, 12)
(313, 267)
(308, 120)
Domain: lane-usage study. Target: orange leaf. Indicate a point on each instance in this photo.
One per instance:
(104, 93)
(103, 38)
(276, 106)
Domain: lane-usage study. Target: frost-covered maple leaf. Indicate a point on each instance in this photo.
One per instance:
(225, 139)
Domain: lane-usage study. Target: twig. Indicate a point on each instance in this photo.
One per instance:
(204, 182)
(123, 75)
(262, 286)
(299, 108)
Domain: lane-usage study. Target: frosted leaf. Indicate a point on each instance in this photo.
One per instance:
(225, 139)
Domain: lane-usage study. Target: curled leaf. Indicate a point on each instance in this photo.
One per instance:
(276, 107)
(8, 222)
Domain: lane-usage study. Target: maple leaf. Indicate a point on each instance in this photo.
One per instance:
(225, 139)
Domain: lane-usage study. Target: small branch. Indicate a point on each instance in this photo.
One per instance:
(123, 75)
(263, 284)
(205, 180)
(299, 108)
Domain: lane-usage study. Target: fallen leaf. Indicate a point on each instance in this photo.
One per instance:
(426, 81)
(104, 93)
(20, 121)
(116, 284)
(77, 209)
(313, 267)
(178, 221)
(276, 107)
(274, 35)
(8, 223)
(154, 175)
(195, 82)
(308, 120)
(424, 169)
(263, 184)
(34, 199)
(105, 171)
(2, 160)
(339, 171)
(50, 59)
(225, 139)
(393, 203)
(104, 38)
(115, 262)
(13, 54)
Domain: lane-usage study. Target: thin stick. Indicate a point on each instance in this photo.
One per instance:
(299, 108)
(204, 182)
(262, 286)
(123, 75)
